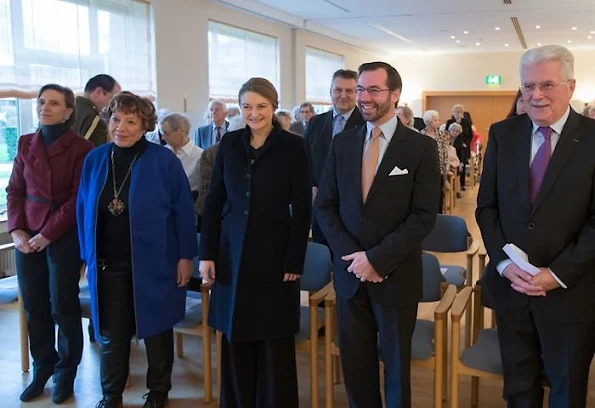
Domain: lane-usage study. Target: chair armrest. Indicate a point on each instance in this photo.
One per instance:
(319, 296)
(330, 300)
(460, 304)
(446, 302)
(7, 247)
(473, 249)
(205, 287)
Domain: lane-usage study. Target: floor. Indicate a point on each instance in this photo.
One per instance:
(188, 375)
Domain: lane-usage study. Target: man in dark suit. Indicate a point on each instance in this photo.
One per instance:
(212, 133)
(306, 113)
(463, 142)
(377, 200)
(537, 192)
(322, 129)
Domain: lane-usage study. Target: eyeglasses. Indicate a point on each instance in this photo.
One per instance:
(372, 91)
(339, 91)
(544, 87)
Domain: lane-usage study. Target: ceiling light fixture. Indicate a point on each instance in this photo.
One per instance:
(506, 45)
(574, 28)
(477, 43)
(465, 32)
(591, 32)
(589, 37)
(539, 44)
(538, 27)
(497, 28)
(569, 42)
(458, 41)
(453, 37)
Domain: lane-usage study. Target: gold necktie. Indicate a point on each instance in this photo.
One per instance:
(370, 162)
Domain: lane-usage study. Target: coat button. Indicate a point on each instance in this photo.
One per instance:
(246, 212)
(531, 225)
(247, 194)
(248, 175)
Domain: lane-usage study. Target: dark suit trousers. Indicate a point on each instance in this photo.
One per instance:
(363, 326)
(259, 374)
(533, 347)
(49, 286)
(117, 325)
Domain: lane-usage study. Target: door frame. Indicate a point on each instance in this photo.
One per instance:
(426, 94)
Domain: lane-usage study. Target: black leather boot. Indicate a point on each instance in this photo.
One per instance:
(155, 399)
(63, 388)
(35, 389)
(110, 403)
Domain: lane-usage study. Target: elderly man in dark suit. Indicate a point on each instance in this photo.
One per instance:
(208, 135)
(537, 192)
(322, 129)
(377, 200)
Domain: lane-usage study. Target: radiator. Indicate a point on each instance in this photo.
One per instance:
(7, 262)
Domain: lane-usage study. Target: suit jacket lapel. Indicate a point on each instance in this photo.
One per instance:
(355, 155)
(392, 153)
(524, 159)
(354, 120)
(60, 145)
(38, 150)
(569, 140)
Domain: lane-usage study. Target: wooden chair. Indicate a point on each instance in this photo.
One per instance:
(429, 342)
(447, 202)
(481, 359)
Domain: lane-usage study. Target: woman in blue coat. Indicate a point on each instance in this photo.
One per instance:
(253, 243)
(137, 236)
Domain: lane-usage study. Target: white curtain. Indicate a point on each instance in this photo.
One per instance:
(320, 67)
(236, 55)
(69, 41)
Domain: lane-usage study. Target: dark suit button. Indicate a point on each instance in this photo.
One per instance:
(531, 225)
(247, 194)
(246, 212)
(248, 175)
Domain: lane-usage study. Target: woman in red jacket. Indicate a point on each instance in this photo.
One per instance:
(42, 221)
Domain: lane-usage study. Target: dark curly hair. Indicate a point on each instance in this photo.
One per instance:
(131, 104)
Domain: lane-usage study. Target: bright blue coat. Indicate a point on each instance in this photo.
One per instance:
(162, 232)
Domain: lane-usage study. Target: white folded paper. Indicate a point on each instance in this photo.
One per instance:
(520, 258)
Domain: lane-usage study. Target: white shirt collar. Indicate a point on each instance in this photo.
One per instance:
(187, 148)
(557, 126)
(388, 128)
(346, 115)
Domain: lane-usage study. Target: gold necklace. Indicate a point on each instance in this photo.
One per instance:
(116, 207)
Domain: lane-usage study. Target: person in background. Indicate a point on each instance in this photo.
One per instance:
(212, 133)
(536, 192)
(306, 113)
(41, 197)
(232, 112)
(99, 90)
(405, 114)
(518, 105)
(138, 239)
(475, 142)
(253, 244)
(175, 128)
(284, 118)
(432, 120)
(156, 136)
(463, 142)
(591, 112)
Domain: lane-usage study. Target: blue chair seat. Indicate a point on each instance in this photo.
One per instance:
(422, 342)
(304, 333)
(455, 275)
(9, 290)
(193, 315)
(484, 355)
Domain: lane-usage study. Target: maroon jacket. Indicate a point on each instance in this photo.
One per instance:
(43, 185)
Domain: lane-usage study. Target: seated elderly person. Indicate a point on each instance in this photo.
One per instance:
(405, 114)
(454, 131)
(591, 111)
(175, 129)
(284, 117)
(232, 112)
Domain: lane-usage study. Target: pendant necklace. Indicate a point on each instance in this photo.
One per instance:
(116, 207)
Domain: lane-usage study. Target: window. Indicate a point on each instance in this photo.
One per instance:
(236, 55)
(320, 67)
(66, 42)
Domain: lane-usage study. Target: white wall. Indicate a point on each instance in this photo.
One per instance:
(467, 72)
(181, 28)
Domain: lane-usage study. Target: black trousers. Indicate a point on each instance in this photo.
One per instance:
(259, 374)
(368, 331)
(48, 281)
(532, 346)
(117, 326)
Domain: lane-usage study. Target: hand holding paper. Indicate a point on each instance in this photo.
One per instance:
(520, 258)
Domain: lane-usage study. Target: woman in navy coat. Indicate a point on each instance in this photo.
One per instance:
(254, 235)
(137, 236)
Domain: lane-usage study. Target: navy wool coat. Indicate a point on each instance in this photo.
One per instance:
(162, 232)
(255, 227)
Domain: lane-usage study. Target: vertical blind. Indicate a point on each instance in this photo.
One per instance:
(320, 67)
(236, 55)
(68, 41)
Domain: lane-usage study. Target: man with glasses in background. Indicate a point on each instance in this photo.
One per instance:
(537, 192)
(322, 129)
(98, 93)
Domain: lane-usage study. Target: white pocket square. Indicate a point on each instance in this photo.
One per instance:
(398, 172)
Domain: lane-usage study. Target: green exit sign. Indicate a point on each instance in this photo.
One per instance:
(493, 80)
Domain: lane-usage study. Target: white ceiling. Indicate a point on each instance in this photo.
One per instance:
(412, 26)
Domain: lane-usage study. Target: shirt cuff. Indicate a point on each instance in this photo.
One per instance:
(557, 279)
(502, 265)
